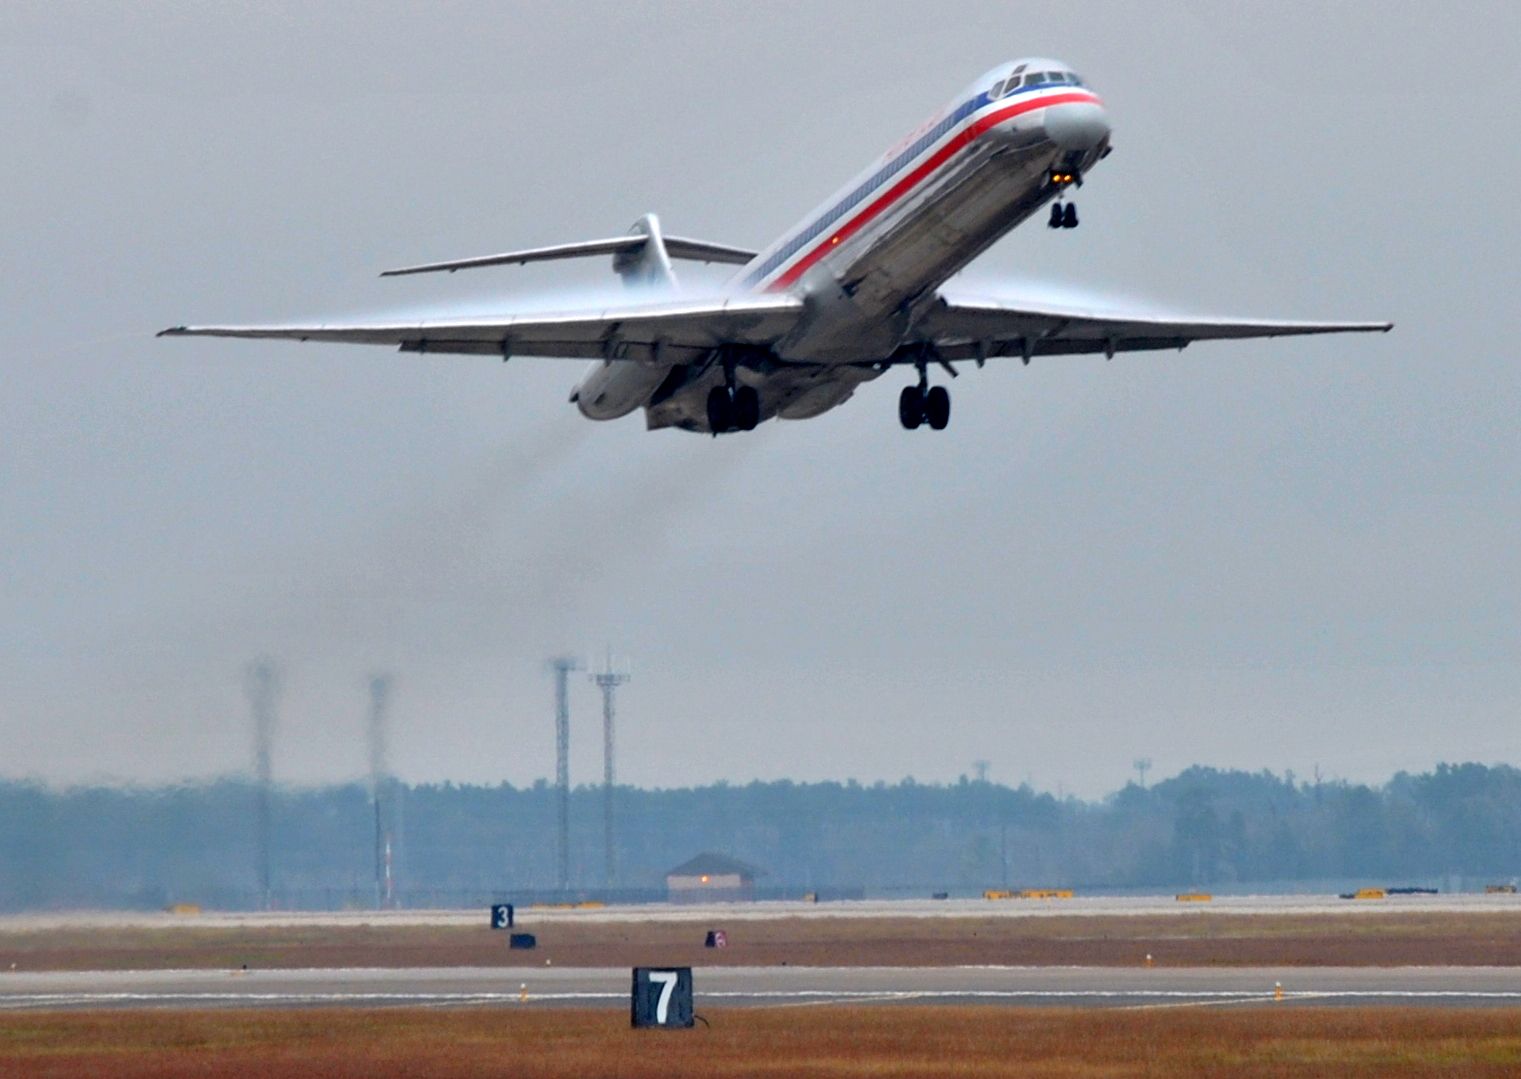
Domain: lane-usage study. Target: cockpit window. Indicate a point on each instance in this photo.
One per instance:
(1036, 79)
(1055, 77)
(1073, 78)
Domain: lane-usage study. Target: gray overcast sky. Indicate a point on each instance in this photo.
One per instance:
(1275, 554)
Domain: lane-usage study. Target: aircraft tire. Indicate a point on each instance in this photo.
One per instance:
(937, 408)
(746, 408)
(1057, 217)
(720, 410)
(1069, 216)
(911, 408)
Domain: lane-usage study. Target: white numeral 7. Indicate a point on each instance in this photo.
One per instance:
(667, 980)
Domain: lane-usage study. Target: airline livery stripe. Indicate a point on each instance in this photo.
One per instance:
(954, 145)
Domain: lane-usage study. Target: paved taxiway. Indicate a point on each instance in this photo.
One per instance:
(764, 986)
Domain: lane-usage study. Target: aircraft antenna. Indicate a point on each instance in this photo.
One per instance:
(608, 681)
(562, 666)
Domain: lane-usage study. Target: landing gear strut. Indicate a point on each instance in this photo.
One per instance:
(733, 409)
(924, 404)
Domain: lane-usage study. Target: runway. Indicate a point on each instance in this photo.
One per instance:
(766, 987)
(769, 910)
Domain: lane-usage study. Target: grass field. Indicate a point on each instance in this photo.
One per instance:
(1279, 1041)
(1205, 939)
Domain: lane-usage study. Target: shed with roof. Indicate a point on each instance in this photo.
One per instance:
(710, 878)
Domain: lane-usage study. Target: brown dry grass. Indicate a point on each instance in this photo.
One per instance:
(1273, 1041)
(1195, 939)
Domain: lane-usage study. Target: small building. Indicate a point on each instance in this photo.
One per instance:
(711, 878)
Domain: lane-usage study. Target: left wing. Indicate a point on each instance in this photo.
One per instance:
(977, 329)
(650, 333)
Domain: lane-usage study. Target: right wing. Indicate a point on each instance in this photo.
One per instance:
(651, 333)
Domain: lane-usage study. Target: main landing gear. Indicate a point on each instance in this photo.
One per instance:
(1063, 214)
(920, 404)
(733, 408)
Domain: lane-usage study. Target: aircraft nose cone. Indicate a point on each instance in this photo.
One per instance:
(1077, 125)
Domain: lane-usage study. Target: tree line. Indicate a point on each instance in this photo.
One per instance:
(455, 844)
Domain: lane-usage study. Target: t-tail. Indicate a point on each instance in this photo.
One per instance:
(642, 257)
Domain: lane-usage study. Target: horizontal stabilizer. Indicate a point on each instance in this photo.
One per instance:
(676, 247)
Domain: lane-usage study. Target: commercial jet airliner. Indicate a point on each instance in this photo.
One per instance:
(849, 293)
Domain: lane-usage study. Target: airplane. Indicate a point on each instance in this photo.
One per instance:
(851, 292)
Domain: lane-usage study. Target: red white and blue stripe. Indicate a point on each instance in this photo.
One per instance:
(906, 172)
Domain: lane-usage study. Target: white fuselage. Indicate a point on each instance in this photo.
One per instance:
(868, 261)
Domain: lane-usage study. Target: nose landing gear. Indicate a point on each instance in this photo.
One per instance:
(1063, 214)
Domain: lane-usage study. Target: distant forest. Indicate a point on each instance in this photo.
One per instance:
(1459, 825)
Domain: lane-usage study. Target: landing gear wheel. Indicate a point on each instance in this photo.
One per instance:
(911, 407)
(937, 408)
(1069, 216)
(1058, 219)
(746, 408)
(720, 410)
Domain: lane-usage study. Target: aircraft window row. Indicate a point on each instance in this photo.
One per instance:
(1032, 80)
(867, 187)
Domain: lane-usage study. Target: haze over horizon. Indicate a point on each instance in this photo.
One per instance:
(1273, 554)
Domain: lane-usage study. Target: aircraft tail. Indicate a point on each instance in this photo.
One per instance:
(649, 264)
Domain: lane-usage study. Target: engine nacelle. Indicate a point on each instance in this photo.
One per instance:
(612, 390)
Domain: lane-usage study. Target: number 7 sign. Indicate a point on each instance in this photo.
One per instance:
(662, 997)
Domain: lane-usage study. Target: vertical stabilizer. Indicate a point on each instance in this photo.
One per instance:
(649, 265)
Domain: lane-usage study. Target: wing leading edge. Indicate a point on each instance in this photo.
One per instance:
(649, 333)
(964, 329)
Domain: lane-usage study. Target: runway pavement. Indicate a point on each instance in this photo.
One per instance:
(532, 916)
(765, 987)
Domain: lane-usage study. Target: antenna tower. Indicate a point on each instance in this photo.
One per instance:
(380, 697)
(262, 683)
(608, 681)
(562, 666)
(1142, 766)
